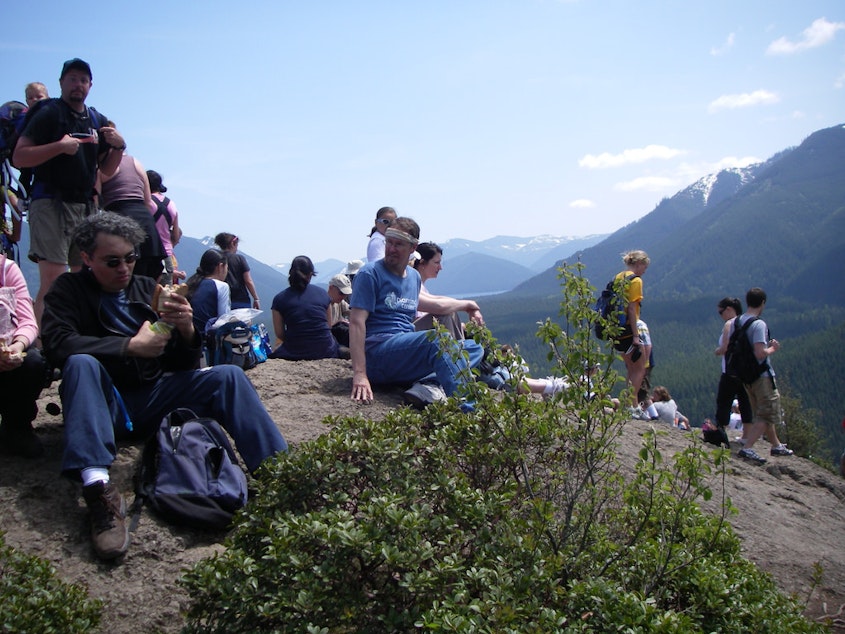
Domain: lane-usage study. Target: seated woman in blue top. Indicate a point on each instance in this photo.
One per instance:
(301, 317)
(208, 292)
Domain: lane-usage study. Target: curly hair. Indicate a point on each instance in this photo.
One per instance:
(86, 232)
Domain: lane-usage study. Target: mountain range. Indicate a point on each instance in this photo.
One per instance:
(779, 225)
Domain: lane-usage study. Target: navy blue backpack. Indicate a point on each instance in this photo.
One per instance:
(189, 473)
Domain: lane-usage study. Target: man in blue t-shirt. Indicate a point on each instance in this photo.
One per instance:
(385, 347)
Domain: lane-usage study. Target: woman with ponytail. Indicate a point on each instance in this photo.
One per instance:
(301, 317)
(208, 292)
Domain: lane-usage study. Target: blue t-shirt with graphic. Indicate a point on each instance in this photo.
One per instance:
(390, 300)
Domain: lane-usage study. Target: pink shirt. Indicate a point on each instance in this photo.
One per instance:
(11, 276)
(161, 224)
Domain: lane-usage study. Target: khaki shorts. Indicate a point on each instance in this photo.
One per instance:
(765, 400)
(51, 225)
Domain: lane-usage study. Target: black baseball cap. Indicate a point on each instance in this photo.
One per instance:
(76, 64)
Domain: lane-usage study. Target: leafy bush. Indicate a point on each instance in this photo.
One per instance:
(516, 518)
(35, 600)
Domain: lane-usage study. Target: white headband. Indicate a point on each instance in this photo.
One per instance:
(400, 235)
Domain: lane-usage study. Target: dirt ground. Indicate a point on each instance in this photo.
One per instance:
(791, 512)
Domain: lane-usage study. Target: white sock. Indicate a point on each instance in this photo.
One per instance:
(92, 475)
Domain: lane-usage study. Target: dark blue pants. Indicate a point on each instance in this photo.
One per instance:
(94, 419)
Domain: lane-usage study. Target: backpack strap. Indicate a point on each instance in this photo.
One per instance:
(161, 210)
(97, 119)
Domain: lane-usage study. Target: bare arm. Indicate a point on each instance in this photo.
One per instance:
(27, 154)
(631, 311)
(110, 161)
(761, 350)
(148, 197)
(250, 286)
(723, 347)
(361, 389)
(441, 305)
(175, 231)
(278, 325)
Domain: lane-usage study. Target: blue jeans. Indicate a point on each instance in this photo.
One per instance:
(410, 356)
(94, 420)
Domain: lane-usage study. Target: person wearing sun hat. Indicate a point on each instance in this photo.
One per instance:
(384, 345)
(340, 289)
(352, 269)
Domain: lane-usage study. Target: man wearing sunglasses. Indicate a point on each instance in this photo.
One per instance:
(120, 377)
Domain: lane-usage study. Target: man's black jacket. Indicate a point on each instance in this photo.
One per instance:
(75, 323)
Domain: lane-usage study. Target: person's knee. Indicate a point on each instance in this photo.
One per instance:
(80, 363)
(226, 373)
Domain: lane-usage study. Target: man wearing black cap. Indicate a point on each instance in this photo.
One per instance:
(65, 142)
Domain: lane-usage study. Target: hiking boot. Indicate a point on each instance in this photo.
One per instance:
(781, 450)
(750, 454)
(109, 531)
(419, 395)
(21, 441)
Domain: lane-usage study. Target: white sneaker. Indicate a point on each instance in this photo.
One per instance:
(637, 413)
(554, 385)
(419, 395)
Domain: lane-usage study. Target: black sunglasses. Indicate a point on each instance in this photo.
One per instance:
(383, 221)
(114, 261)
(721, 310)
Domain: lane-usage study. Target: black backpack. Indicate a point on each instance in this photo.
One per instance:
(189, 473)
(740, 361)
(610, 305)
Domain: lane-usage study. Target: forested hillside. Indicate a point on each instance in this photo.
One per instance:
(782, 228)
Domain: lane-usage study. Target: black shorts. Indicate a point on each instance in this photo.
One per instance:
(625, 339)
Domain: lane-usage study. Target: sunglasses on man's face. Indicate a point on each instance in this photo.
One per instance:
(383, 221)
(114, 261)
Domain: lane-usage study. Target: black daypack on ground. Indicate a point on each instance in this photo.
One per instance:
(610, 304)
(740, 361)
(189, 473)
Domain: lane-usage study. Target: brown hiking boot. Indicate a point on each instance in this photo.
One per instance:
(109, 531)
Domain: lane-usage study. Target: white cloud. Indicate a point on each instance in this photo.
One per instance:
(744, 100)
(840, 81)
(647, 183)
(820, 32)
(724, 48)
(582, 203)
(636, 155)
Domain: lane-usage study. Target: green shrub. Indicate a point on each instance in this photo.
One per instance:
(513, 519)
(33, 599)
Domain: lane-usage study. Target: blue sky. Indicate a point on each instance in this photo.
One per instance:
(291, 123)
